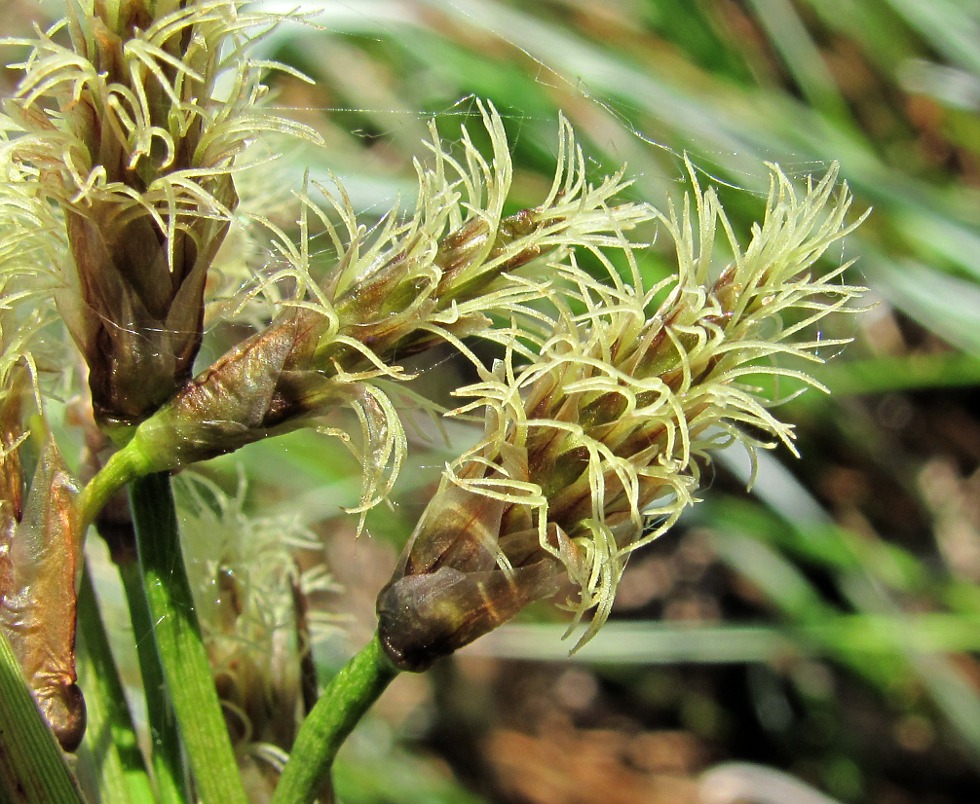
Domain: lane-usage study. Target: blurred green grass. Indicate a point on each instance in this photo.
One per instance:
(850, 575)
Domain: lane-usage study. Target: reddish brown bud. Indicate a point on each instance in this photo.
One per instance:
(452, 585)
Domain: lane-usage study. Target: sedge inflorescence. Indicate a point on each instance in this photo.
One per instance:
(119, 156)
(594, 447)
(126, 130)
(456, 268)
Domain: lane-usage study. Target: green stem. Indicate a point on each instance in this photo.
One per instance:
(123, 466)
(32, 765)
(177, 636)
(167, 758)
(110, 751)
(343, 703)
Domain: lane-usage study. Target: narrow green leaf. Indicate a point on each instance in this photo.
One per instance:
(110, 751)
(177, 636)
(167, 755)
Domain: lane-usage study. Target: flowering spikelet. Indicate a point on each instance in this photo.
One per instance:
(32, 250)
(127, 131)
(593, 449)
(439, 275)
(250, 595)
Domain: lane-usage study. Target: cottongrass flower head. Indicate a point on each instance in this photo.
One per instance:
(595, 447)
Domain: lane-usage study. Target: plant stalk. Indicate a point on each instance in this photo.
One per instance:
(340, 708)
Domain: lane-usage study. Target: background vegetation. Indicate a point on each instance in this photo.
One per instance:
(825, 624)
